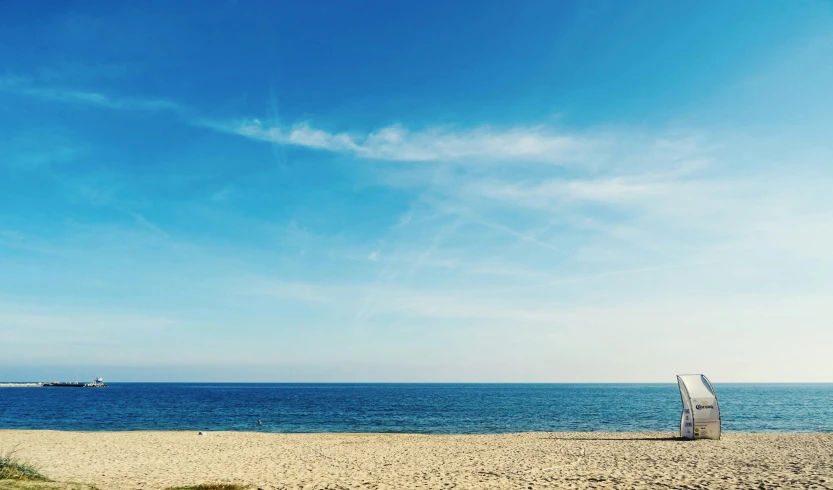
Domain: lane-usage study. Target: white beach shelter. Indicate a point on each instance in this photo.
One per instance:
(701, 413)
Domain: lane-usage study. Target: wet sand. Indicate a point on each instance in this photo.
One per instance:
(157, 460)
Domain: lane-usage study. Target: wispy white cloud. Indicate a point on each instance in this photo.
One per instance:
(396, 143)
(40, 152)
(222, 194)
(25, 86)
(536, 143)
(98, 99)
(146, 224)
(623, 190)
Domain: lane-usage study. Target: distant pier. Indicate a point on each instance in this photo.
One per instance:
(96, 383)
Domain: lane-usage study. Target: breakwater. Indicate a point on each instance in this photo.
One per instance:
(96, 383)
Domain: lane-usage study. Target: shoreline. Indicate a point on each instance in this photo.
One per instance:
(670, 434)
(421, 434)
(156, 460)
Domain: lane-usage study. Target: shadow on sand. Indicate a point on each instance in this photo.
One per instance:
(658, 439)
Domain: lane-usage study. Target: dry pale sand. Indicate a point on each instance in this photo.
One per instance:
(156, 460)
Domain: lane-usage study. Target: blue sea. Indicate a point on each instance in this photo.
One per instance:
(411, 408)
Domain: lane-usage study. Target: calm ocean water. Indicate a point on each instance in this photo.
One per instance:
(417, 408)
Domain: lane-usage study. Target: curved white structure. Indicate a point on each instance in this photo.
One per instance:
(701, 413)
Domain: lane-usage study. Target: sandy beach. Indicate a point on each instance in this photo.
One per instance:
(158, 460)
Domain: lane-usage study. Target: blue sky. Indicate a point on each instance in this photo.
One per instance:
(436, 191)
